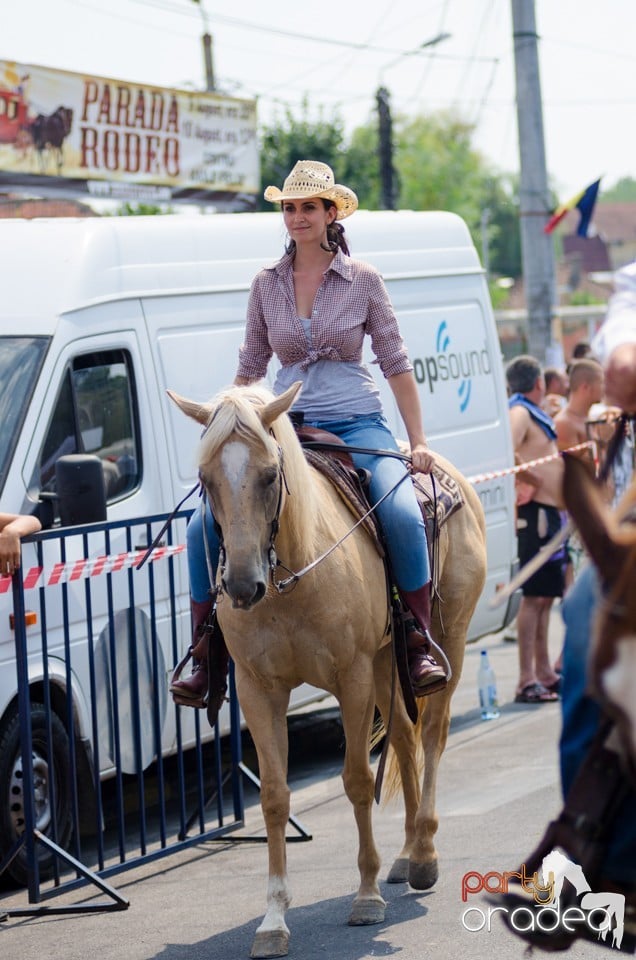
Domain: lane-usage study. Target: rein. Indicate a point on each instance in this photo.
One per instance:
(291, 581)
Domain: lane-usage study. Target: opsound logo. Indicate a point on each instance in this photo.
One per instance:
(459, 366)
(599, 912)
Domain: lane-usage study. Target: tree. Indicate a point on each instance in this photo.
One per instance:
(361, 167)
(504, 239)
(439, 169)
(437, 166)
(303, 138)
(623, 191)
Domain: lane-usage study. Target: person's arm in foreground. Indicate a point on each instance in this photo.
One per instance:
(12, 528)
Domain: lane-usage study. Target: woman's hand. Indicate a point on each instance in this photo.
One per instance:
(422, 460)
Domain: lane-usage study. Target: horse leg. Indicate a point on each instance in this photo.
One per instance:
(403, 742)
(265, 714)
(423, 865)
(357, 715)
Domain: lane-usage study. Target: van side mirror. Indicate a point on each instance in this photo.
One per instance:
(81, 492)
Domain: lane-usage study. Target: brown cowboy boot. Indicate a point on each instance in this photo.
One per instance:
(207, 684)
(426, 674)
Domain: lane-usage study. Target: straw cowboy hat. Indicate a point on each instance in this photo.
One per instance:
(309, 179)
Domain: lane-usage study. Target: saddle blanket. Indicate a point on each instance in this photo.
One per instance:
(438, 494)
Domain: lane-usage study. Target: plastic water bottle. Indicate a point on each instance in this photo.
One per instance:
(487, 688)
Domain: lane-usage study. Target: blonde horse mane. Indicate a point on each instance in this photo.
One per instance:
(235, 412)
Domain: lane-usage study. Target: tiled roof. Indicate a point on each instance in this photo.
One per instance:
(27, 209)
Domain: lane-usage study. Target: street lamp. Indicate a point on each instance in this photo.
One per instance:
(385, 127)
(207, 49)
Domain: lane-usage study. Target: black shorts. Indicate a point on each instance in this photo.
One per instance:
(537, 523)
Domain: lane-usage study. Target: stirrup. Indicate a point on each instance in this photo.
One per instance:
(182, 701)
(423, 651)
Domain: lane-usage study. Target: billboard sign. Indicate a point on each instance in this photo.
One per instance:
(73, 134)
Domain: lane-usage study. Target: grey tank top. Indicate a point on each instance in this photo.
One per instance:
(332, 389)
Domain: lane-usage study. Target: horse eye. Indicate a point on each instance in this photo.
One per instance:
(269, 476)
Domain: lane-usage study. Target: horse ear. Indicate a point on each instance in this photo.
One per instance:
(197, 411)
(281, 404)
(592, 516)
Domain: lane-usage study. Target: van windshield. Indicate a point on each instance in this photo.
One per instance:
(20, 362)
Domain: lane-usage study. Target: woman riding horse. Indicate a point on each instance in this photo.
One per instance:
(312, 309)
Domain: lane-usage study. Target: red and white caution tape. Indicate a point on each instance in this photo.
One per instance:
(73, 570)
(520, 467)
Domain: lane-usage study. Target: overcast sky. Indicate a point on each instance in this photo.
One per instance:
(338, 54)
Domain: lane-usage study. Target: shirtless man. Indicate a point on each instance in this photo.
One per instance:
(586, 388)
(538, 520)
(557, 386)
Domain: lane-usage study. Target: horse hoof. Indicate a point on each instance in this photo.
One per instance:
(423, 876)
(367, 911)
(270, 943)
(399, 872)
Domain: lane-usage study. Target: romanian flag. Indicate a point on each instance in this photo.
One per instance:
(583, 202)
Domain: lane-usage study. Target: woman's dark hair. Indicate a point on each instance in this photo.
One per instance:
(335, 235)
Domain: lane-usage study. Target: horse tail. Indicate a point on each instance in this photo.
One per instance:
(392, 780)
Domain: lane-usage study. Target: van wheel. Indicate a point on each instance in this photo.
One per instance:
(12, 790)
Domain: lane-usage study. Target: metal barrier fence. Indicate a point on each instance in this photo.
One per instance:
(103, 772)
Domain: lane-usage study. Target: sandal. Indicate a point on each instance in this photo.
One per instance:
(554, 687)
(536, 693)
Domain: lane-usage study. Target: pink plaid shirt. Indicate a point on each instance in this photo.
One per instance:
(351, 302)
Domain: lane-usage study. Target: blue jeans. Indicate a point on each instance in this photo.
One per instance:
(400, 515)
(581, 716)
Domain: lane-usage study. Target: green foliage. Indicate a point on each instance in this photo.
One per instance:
(624, 191)
(504, 236)
(140, 210)
(583, 298)
(437, 168)
(498, 295)
(361, 167)
(302, 138)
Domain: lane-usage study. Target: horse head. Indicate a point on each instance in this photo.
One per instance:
(612, 547)
(241, 462)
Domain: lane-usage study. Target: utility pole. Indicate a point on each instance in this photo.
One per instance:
(537, 249)
(385, 132)
(207, 49)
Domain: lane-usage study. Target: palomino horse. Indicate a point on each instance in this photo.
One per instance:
(329, 631)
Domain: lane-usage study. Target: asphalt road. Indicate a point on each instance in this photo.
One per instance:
(498, 788)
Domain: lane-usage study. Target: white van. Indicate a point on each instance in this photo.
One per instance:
(98, 317)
